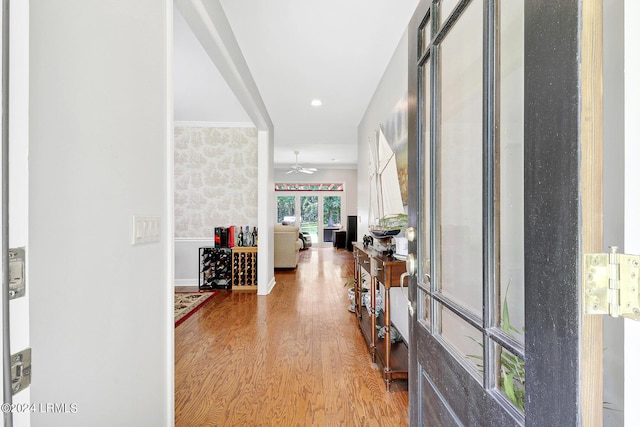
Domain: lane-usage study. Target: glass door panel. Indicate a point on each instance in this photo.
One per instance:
(511, 169)
(425, 37)
(309, 216)
(460, 171)
(424, 272)
(424, 308)
(286, 208)
(331, 214)
(511, 376)
(446, 7)
(464, 340)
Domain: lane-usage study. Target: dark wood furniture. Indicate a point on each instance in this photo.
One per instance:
(352, 229)
(327, 235)
(339, 239)
(392, 358)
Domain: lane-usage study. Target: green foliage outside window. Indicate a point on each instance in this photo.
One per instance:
(332, 210)
(286, 207)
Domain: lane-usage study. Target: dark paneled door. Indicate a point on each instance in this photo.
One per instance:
(495, 126)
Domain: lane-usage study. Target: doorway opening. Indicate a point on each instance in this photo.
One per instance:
(318, 214)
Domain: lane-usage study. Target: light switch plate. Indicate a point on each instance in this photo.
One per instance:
(146, 229)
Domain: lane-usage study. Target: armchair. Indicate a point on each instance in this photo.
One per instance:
(286, 246)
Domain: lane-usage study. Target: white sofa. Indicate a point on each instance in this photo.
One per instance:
(286, 246)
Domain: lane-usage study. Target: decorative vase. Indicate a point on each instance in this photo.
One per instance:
(394, 335)
(351, 293)
(367, 302)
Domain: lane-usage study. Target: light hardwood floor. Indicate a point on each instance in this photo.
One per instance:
(292, 358)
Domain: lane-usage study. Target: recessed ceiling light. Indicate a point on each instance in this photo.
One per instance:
(316, 103)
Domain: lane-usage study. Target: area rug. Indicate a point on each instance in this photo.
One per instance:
(188, 303)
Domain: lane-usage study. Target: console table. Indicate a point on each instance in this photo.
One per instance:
(392, 358)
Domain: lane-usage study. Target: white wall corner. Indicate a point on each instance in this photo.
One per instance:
(269, 287)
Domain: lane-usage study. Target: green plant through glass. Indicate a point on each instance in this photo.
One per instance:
(512, 368)
(512, 381)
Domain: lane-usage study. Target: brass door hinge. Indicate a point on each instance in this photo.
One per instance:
(611, 284)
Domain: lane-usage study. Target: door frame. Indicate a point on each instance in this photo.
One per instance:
(562, 210)
(631, 203)
(15, 178)
(563, 206)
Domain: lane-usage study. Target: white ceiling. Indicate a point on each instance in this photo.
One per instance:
(297, 50)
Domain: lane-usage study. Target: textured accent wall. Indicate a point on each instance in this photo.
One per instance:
(215, 179)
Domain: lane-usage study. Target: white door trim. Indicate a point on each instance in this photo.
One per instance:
(632, 204)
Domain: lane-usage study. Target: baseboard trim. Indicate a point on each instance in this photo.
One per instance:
(269, 288)
(185, 282)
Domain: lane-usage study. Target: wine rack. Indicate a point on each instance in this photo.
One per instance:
(244, 269)
(215, 268)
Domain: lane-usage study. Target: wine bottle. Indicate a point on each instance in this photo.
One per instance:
(241, 237)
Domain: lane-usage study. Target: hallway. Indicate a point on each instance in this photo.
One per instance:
(293, 358)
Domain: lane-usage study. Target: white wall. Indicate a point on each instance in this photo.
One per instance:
(266, 209)
(187, 265)
(392, 88)
(19, 178)
(100, 149)
(200, 92)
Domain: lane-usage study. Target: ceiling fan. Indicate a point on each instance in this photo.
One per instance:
(299, 169)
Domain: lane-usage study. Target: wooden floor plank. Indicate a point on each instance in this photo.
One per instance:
(292, 358)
